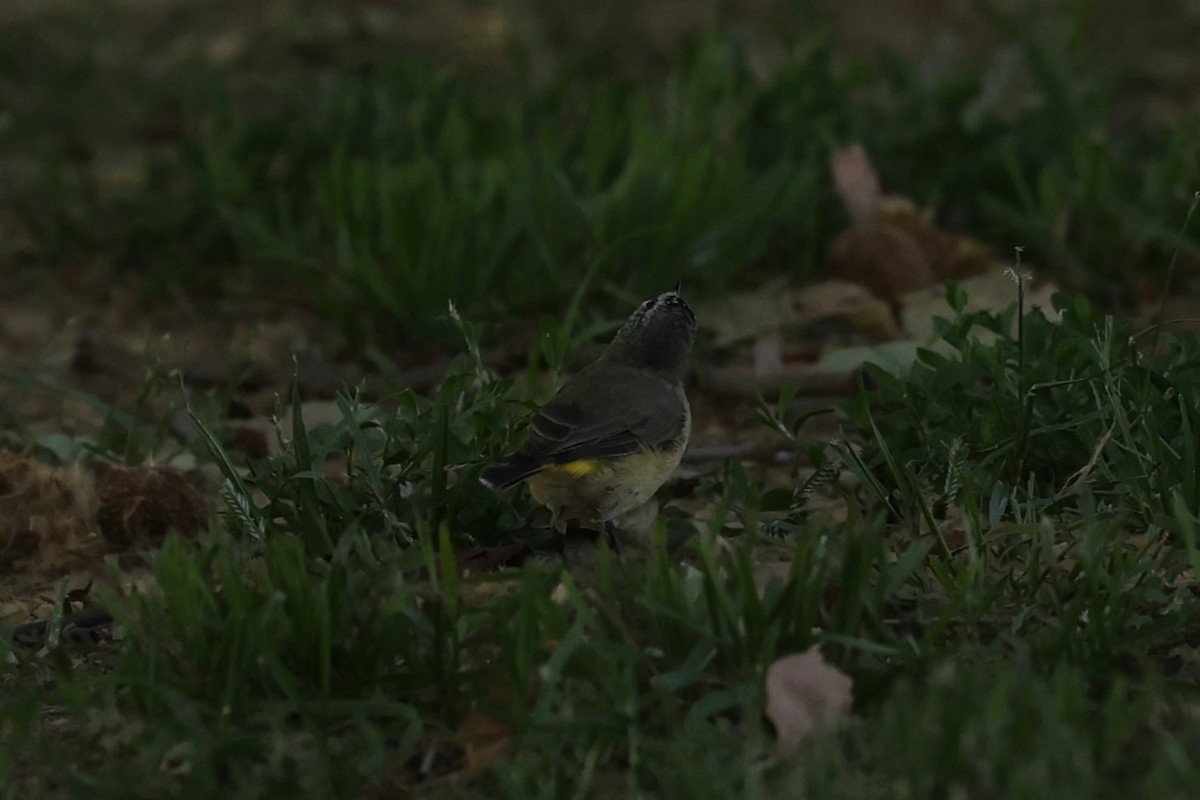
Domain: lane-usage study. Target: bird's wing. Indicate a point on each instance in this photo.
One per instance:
(627, 412)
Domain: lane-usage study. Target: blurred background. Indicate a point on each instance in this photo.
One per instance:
(369, 161)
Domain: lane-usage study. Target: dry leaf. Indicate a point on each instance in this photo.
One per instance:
(892, 247)
(484, 738)
(895, 357)
(768, 353)
(744, 315)
(771, 573)
(805, 696)
(254, 437)
(856, 183)
(950, 255)
(882, 257)
(822, 302)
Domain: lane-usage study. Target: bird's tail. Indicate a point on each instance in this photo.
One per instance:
(509, 473)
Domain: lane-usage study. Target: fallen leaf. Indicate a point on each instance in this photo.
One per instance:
(768, 353)
(771, 573)
(892, 247)
(484, 739)
(254, 437)
(816, 305)
(950, 255)
(856, 183)
(744, 315)
(895, 357)
(805, 696)
(882, 257)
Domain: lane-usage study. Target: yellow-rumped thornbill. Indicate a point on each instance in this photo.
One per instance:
(614, 433)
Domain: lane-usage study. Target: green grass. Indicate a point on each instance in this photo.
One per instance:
(378, 194)
(1005, 562)
(402, 189)
(321, 640)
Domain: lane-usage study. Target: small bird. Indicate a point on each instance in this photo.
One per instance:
(614, 433)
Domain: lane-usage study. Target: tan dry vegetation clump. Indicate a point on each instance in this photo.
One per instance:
(140, 505)
(46, 515)
(57, 519)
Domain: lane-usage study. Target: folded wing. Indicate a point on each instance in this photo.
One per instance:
(626, 412)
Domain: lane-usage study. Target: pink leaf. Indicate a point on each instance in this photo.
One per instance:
(805, 696)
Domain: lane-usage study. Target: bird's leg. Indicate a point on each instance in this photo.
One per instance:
(610, 531)
(559, 527)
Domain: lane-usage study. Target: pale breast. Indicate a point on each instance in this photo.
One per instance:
(615, 486)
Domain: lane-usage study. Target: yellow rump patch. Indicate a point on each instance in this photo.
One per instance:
(578, 468)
